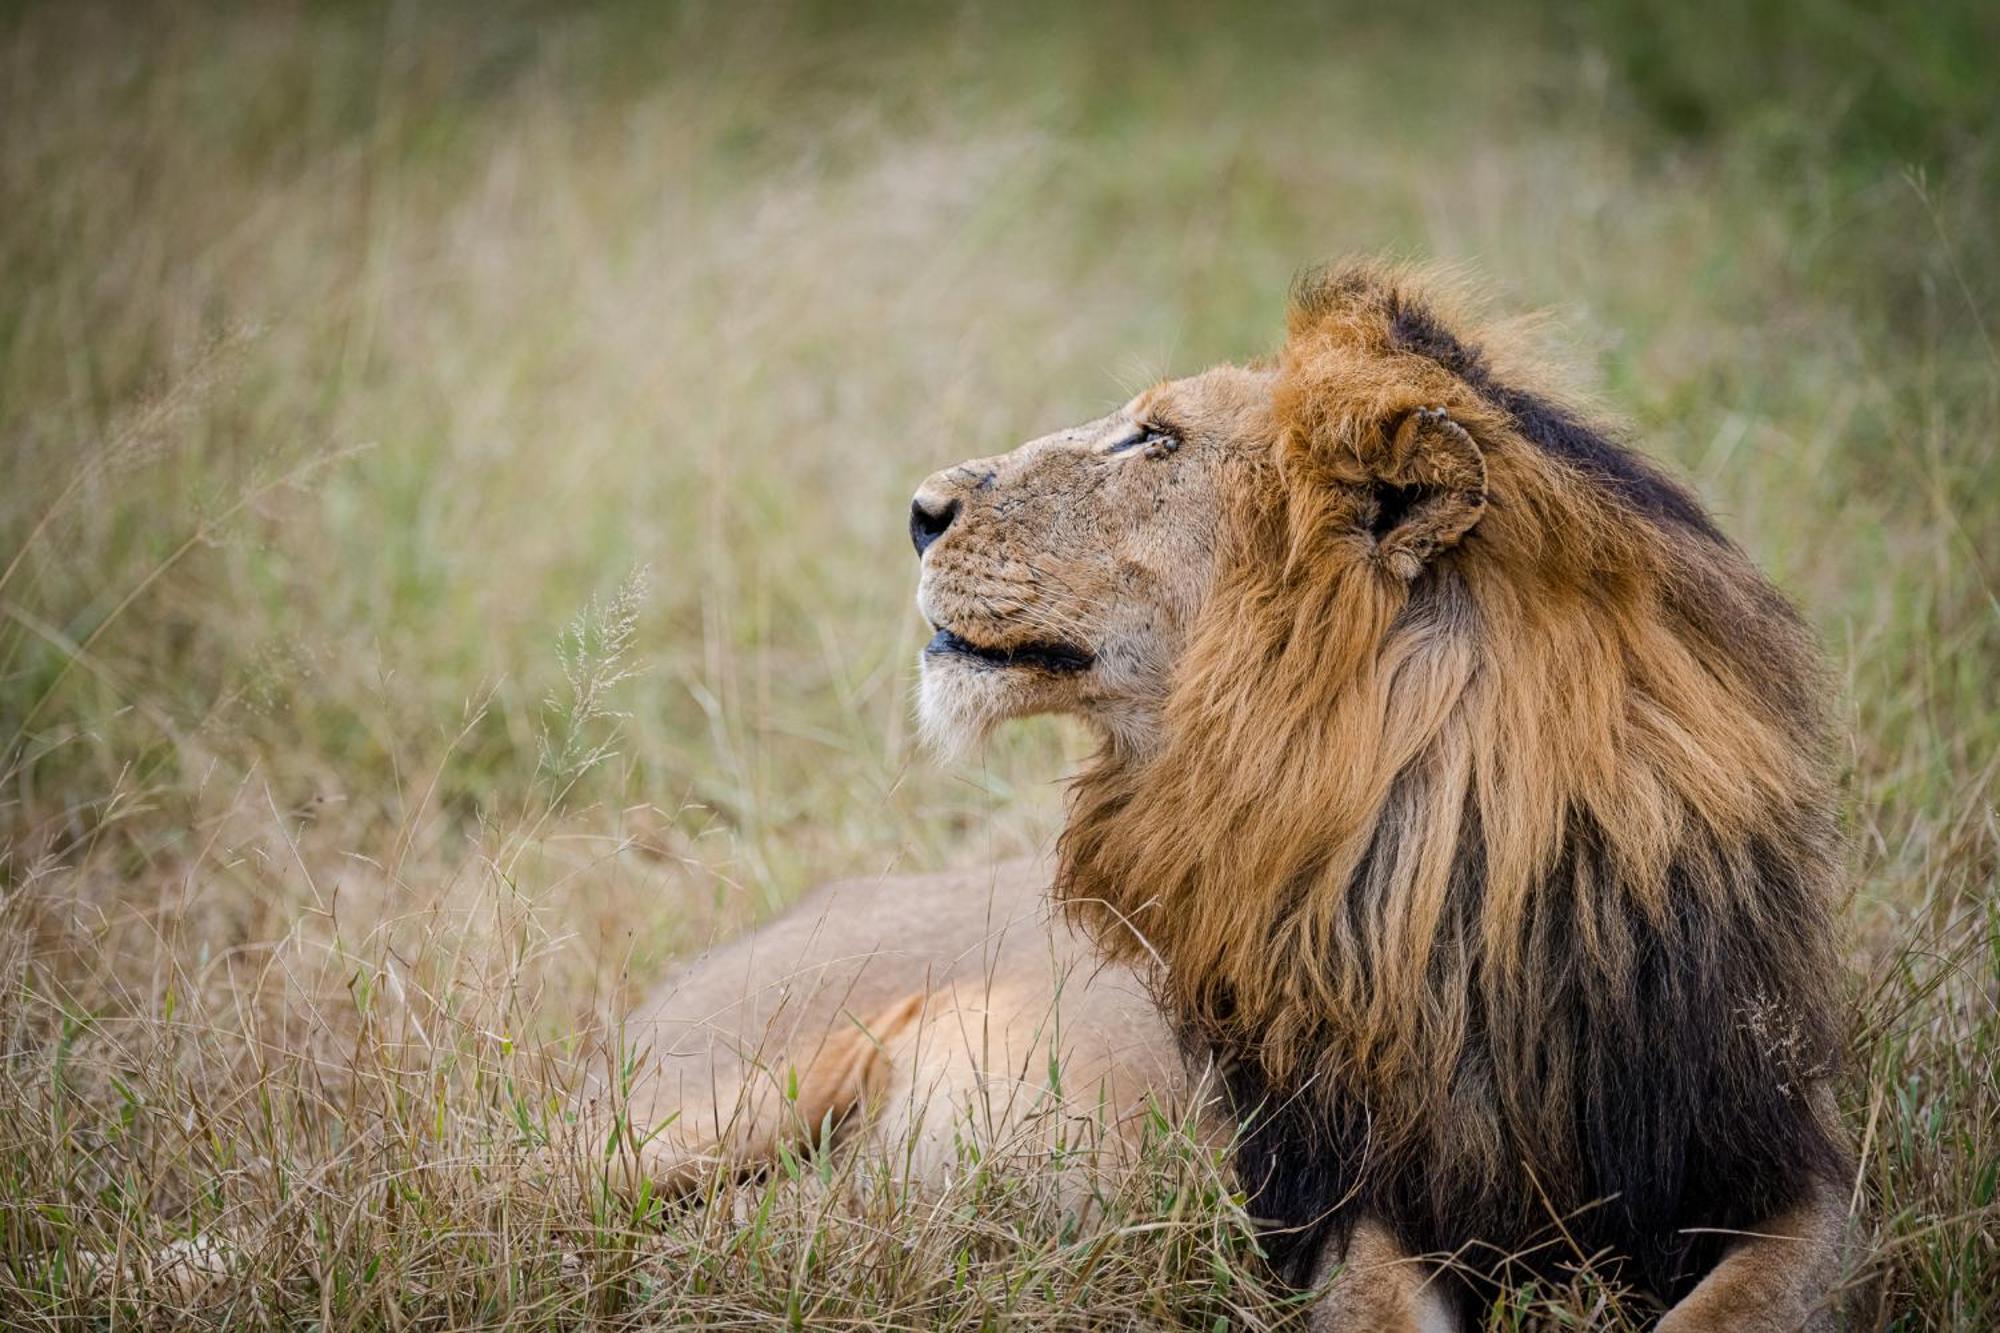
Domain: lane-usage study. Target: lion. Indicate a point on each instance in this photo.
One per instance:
(1459, 836)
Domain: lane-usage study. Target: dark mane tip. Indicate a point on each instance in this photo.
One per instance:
(1551, 427)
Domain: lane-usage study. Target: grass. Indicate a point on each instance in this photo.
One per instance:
(354, 360)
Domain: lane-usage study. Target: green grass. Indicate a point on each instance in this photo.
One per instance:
(347, 354)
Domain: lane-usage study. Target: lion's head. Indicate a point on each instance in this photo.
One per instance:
(1066, 575)
(1466, 782)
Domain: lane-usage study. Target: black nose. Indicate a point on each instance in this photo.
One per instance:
(928, 520)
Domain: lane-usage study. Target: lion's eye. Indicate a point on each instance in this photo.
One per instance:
(1156, 442)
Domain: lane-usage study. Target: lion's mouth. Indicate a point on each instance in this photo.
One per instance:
(1049, 656)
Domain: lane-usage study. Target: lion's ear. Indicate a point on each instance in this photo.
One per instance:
(1429, 490)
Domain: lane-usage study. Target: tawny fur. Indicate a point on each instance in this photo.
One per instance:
(919, 1009)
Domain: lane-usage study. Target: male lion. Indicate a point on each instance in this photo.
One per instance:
(1461, 801)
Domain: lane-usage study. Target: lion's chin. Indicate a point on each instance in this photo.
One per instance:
(967, 689)
(959, 704)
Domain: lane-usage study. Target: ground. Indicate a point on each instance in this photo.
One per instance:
(451, 564)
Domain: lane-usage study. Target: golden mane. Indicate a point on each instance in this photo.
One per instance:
(1447, 858)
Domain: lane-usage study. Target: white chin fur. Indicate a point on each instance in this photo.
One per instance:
(957, 706)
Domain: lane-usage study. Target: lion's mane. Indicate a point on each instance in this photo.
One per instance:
(1501, 893)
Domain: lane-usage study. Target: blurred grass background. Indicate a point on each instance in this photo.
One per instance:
(353, 358)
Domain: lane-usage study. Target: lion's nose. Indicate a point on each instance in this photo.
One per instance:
(929, 517)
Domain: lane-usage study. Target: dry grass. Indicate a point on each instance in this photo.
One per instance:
(346, 355)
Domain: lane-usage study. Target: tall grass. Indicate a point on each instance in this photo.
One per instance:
(352, 357)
